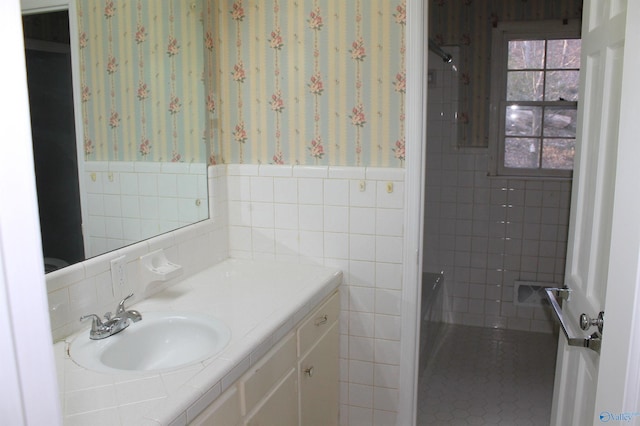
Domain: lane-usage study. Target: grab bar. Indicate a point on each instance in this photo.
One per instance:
(592, 342)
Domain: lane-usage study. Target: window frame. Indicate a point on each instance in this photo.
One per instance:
(502, 34)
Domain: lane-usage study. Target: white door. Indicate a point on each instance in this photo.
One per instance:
(604, 234)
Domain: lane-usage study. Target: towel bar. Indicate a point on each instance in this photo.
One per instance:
(593, 341)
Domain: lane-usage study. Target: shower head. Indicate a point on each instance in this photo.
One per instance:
(446, 57)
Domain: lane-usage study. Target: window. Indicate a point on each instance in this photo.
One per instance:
(534, 98)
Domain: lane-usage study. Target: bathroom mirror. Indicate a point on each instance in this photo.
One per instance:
(118, 122)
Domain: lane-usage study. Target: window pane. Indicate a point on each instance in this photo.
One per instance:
(562, 85)
(526, 54)
(523, 120)
(525, 85)
(563, 53)
(560, 121)
(558, 154)
(521, 153)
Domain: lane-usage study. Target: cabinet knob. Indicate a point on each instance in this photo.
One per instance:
(322, 320)
(309, 371)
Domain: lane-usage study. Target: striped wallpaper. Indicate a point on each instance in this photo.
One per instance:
(142, 82)
(273, 81)
(244, 81)
(468, 24)
(308, 81)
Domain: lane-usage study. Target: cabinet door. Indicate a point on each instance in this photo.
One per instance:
(224, 411)
(319, 386)
(280, 407)
(267, 373)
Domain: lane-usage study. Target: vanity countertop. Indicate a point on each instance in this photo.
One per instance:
(259, 301)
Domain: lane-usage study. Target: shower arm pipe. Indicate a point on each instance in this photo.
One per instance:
(446, 57)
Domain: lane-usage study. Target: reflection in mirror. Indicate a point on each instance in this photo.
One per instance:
(132, 163)
(48, 58)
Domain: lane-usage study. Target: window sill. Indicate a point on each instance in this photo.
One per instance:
(525, 177)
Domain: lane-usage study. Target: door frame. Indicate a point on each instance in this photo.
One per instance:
(416, 32)
(29, 391)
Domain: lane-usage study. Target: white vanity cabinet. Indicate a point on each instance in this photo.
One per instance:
(318, 365)
(269, 389)
(225, 410)
(279, 407)
(294, 384)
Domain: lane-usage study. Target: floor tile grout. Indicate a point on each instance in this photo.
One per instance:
(484, 376)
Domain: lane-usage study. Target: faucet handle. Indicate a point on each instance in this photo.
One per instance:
(96, 322)
(121, 308)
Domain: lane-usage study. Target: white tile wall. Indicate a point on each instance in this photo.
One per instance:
(485, 233)
(315, 215)
(130, 201)
(350, 218)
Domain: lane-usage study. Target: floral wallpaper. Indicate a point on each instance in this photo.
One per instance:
(278, 81)
(141, 73)
(306, 81)
(468, 24)
(244, 81)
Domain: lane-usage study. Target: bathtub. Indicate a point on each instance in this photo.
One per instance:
(431, 314)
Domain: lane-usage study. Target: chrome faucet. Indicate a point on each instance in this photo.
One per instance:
(132, 314)
(103, 328)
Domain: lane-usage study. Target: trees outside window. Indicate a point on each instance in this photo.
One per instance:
(535, 85)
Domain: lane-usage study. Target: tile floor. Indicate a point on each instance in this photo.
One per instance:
(484, 376)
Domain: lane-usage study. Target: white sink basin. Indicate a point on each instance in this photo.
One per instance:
(160, 341)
